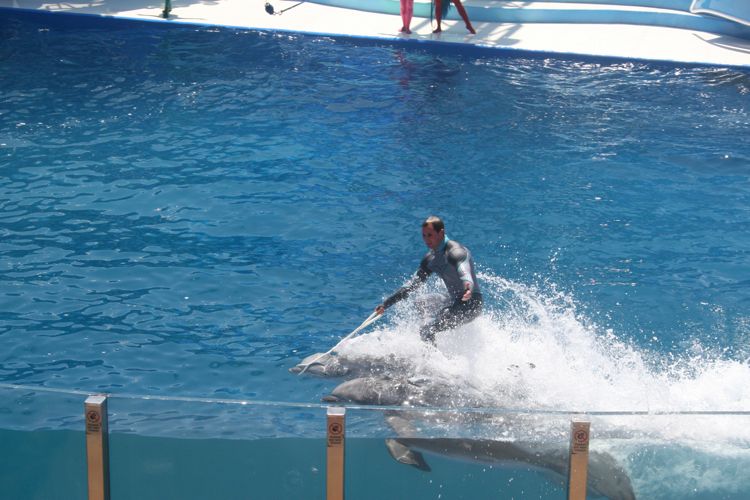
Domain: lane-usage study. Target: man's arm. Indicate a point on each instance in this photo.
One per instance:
(415, 282)
(458, 256)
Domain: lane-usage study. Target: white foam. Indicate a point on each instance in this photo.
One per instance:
(533, 350)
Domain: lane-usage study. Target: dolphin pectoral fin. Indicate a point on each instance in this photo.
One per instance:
(405, 455)
(331, 399)
(400, 425)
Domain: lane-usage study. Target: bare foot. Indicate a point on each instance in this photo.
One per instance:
(471, 29)
(437, 30)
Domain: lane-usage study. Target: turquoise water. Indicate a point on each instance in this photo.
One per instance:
(189, 212)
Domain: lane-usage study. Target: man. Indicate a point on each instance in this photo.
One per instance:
(453, 263)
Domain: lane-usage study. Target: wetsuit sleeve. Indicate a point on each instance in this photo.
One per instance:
(458, 256)
(415, 282)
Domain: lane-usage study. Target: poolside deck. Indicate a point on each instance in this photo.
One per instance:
(627, 41)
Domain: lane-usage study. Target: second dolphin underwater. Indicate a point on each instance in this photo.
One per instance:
(382, 382)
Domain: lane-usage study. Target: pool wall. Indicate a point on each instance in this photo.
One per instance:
(630, 30)
(72, 20)
(662, 13)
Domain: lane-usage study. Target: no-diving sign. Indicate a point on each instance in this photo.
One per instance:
(580, 441)
(93, 421)
(335, 433)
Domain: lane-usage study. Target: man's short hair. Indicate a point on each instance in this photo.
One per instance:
(435, 221)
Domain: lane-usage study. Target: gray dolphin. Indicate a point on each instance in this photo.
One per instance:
(606, 477)
(373, 391)
(400, 391)
(322, 365)
(330, 365)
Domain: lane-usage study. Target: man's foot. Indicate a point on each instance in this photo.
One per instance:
(437, 30)
(406, 30)
(471, 29)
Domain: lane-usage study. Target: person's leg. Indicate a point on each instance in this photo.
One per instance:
(464, 16)
(439, 15)
(450, 317)
(407, 11)
(430, 304)
(428, 331)
(409, 15)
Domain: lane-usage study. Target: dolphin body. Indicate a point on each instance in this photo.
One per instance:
(329, 365)
(322, 365)
(605, 476)
(402, 391)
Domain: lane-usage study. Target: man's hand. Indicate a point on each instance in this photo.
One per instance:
(467, 293)
(380, 309)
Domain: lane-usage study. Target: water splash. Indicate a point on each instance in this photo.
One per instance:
(533, 350)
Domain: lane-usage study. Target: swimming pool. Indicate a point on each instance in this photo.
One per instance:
(188, 212)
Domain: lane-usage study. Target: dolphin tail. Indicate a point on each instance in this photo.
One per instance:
(405, 455)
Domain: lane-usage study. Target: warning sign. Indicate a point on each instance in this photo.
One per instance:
(93, 421)
(335, 433)
(580, 441)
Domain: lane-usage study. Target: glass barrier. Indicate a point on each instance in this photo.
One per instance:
(445, 454)
(506, 454)
(42, 443)
(199, 449)
(195, 448)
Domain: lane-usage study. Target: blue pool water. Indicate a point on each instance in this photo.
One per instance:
(189, 212)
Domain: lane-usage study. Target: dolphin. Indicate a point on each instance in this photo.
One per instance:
(330, 365)
(606, 477)
(403, 391)
(322, 365)
(373, 391)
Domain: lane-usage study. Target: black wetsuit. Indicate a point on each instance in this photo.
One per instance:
(453, 263)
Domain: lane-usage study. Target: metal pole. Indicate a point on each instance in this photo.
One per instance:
(97, 446)
(335, 453)
(579, 459)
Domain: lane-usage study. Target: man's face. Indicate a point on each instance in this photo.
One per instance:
(432, 238)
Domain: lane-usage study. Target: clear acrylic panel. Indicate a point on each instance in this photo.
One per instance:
(398, 453)
(498, 454)
(200, 449)
(43, 444)
(193, 448)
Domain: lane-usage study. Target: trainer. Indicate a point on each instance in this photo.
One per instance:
(451, 261)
